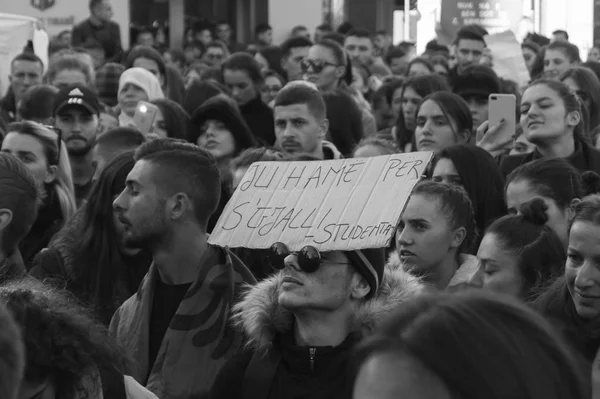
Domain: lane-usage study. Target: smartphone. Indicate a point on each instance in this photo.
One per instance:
(144, 116)
(503, 107)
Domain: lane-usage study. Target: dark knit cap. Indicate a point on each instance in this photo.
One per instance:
(370, 263)
(477, 80)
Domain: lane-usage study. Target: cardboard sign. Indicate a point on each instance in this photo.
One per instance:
(332, 205)
(508, 57)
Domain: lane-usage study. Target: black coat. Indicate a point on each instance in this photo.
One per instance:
(583, 159)
(108, 36)
(260, 120)
(328, 377)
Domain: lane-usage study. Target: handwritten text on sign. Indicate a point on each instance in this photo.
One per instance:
(332, 205)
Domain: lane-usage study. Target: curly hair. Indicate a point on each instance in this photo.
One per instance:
(61, 341)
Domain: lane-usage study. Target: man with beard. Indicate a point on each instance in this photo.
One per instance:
(181, 340)
(76, 114)
(301, 122)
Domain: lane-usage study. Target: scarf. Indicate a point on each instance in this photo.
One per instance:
(199, 340)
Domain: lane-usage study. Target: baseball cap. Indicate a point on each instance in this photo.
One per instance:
(77, 95)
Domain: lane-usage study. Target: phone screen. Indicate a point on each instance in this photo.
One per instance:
(144, 116)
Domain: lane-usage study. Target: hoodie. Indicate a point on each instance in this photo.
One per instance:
(269, 329)
(146, 81)
(220, 109)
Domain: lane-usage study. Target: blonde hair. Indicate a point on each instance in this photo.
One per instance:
(63, 183)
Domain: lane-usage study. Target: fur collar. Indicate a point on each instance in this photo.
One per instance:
(262, 318)
(468, 266)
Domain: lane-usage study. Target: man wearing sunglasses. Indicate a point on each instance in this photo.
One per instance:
(301, 123)
(303, 322)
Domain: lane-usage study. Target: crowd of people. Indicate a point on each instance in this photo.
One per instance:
(110, 289)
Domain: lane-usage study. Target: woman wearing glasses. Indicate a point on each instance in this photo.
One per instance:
(43, 152)
(327, 66)
(307, 319)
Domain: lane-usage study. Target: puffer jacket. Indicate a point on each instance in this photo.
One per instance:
(300, 372)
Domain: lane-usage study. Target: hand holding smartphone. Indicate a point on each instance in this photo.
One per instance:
(502, 112)
(144, 116)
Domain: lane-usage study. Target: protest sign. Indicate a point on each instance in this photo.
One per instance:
(494, 15)
(331, 205)
(508, 57)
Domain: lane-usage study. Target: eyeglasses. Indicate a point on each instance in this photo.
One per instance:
(316, 65)
(58, 140)
(309, 258)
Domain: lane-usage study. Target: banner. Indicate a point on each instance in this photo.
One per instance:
(331, 205)
(494, 15)
(508, 62)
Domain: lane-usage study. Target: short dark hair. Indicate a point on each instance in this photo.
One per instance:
(120, 139)
(12, 361)
(262, 28)
(360, 32)
(302, 93)
(561, 32)
(176, 120)
(27, 57)
(325, 28)
(37, 103)
(146, 52)
(243, 62)
(21, 195)
(294, 42)
(569, 49)
(298, 28)
(467, 34)
(395, 52)
(186, 168)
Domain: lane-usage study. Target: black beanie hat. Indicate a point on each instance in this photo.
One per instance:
(477, 80)
(370, 263)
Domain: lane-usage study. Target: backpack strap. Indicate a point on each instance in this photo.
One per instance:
(260, 373)
(113, 384)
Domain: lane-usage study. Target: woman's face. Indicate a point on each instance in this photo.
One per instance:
(434, 130)
(217, 140)
(529, 57)
(555, 63)
(498, 269)
(582, 271)
(69, 77)
(521, 146)
(424, 238)
(239, 82)
(594, 55)
(418, 69)
(577, 89)
(130, 96)
(543, 115)
(410, 103)
(270, 89)
(521, 192)
(30, 151)
(445, 172)
(327, 78)
(159, 127)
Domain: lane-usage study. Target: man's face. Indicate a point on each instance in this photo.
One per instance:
(469, 52)
(214, 56)
(150, 66)
(204, 36)
(79, 127)
(327, 289)
(291, 64)
(360, 50)
(241, 86)
(224, 32)
(104, 10)
(266, 38)
(25, 74)
(297, 131)
(145, 39)
(141, 208)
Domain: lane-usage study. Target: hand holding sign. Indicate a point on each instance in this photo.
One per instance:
(332, 205)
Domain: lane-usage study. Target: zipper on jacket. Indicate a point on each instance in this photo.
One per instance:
(312, 352)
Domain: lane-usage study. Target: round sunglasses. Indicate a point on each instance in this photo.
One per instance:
(309, 258)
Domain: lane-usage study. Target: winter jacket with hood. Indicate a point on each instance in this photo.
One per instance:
(303, 372)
